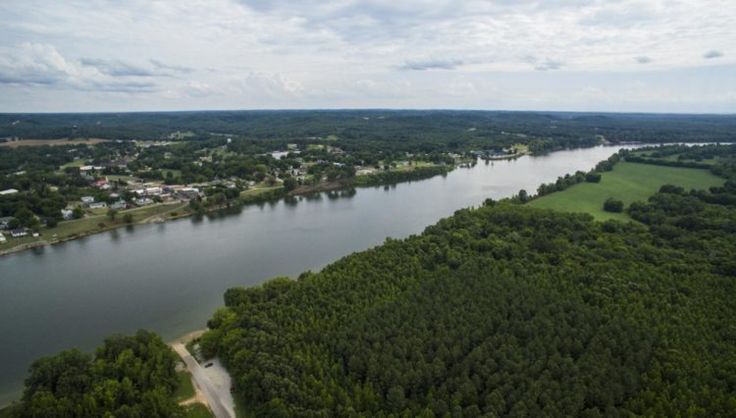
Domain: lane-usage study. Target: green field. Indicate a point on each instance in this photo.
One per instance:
(75, 163)
(97, 223)
(628, 182)
(185, 390)
(197, 410)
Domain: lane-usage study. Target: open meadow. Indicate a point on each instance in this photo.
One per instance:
(628, 182)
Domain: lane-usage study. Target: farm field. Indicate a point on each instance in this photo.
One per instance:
(39, 142)
(628, 182)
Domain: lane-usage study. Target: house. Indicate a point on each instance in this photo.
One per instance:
(67, 214)
(101, 183)
(188, 192)
(143, 201)
(8, 192)
(120, 204)
(19, 233)
(5, 222)
(153, 191)
(2, 238)
(98, 205)
(87, 200)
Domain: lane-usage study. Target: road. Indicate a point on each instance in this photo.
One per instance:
(213, 395)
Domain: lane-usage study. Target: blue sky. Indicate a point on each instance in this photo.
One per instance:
(141, 55)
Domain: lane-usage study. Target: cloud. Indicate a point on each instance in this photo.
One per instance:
(171, 67)
(333, 53)
(712, 54)
(117, 68)
(548, 65)
(32, 64)
(431, 64)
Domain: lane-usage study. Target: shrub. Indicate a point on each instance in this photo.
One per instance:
(593, 177)
(668, 188)
(613, 205)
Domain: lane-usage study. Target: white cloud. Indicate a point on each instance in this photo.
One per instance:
(333, 53)
(712, 54)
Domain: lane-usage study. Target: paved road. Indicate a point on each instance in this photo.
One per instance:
(214, 398)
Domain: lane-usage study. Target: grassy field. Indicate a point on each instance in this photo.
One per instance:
(75, 163)
(628, 182)
(186, 389)
(258, 189)
(197, 410)
(96, 223)
(6, 412)
(39, 142)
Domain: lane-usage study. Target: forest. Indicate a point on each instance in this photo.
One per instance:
(128, 376)
(504, 310)
(401, 130)
(500, 310)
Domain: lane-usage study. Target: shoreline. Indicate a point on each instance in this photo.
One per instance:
(266, 196)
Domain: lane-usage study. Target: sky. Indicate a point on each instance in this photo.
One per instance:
(578, 55)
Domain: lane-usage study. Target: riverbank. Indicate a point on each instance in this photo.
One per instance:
(159, 213)
(171, 277)
(95, 224)
(211, 381)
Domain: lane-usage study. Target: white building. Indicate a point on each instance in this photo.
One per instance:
(87, 200)
(8, 191)
(67, 214)
(143, 201)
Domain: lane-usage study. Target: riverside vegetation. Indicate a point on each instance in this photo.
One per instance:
(507, 309)
(227, 159)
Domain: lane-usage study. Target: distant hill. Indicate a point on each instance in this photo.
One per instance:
(376, 124)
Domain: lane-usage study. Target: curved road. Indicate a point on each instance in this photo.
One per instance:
(213, 395)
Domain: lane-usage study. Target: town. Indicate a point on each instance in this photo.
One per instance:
(53, 191)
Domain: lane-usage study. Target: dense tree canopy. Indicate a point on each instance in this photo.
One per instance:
(127, 377)
(503, 310)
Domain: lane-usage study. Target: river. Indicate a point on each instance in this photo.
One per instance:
(170, 277)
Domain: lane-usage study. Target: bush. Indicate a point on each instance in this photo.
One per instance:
(593, 177)
(613, 205)
(668, 188)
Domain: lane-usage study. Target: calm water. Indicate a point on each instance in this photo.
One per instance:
(171, 277)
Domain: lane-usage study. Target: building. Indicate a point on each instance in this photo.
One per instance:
(153, 191)
(188, 192)
(19, 233)
(5, 222)
(101, 183)
(143, 201)
(2, 238)
(98, 205)
(87, 200)
(120, 204)
(8, 192)
(67, 214)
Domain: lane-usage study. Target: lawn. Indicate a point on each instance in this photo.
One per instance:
(258, 189)
(185, 390)
(75, 163)
(628, 182)
(197, 410)
(6, 412)
(52, 142)
(96, 223)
